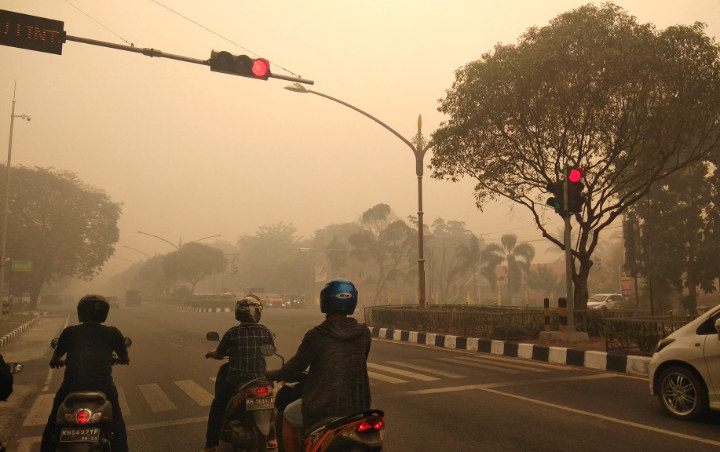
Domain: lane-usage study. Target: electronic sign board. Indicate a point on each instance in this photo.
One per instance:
(31, 32)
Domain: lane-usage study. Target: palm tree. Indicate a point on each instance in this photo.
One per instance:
(469, 257)
(518, 257)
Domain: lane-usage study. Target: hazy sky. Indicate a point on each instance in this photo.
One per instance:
(192, 153)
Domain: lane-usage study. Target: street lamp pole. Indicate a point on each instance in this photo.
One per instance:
(3, 247)
(419, 148)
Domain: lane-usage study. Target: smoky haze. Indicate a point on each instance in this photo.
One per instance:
(191, 153)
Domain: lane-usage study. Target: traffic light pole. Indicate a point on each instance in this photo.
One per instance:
(161, 54)
(568, 255)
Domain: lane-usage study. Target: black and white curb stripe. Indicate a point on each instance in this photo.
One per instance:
(14, 333)
(191, 309)
(615, 362)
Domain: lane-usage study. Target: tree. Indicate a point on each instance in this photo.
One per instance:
(260, 257)
(443, 257)
(193, 262)
(517, 256)
(627, 103)
(66, 227)
(680, 245)
(387, 243)
(470, 261)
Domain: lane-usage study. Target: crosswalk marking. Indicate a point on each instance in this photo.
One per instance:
(426, 369)
(525, 367)
(40, 410)
(196, 392)
(385, 378)
(156, 398)
(490, 367)
(404, 373)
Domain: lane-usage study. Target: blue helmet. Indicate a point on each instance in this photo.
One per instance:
(338, 296)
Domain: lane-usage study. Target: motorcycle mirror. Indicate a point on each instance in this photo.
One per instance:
(267, 349)
(15, 367)
(54, 342)
(212, 336)
(128, 342)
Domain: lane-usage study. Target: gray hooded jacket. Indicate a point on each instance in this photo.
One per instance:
(337, 383)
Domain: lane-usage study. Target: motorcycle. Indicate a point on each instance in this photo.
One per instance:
(249, 415)
(84, 419)
(358, 432)
(15, 368)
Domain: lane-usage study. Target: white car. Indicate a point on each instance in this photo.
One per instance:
(684, 371)
(604, 301)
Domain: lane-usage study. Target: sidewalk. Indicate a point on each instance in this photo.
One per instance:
(11, 325)
(591, 358)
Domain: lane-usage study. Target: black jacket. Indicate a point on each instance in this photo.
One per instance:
(337, 383)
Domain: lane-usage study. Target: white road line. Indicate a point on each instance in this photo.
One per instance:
(156, 398)
(503, 384)
(40, 410)
(606, 418)
(124, 407)
(426, 369)
(385, 378)
(506, 364)
(488, 366)
(404, 373)
(196, 392)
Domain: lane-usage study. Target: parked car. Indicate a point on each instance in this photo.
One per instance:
(684, 371)
(275, 301)
(605, 301)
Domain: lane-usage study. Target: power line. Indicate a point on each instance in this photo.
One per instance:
(99, 23)
(219, 35)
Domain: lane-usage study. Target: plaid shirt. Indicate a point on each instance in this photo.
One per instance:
(242, 344)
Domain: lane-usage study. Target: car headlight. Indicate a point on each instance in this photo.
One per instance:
(662, 343)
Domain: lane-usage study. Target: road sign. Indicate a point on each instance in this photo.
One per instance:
(21, 266)
(31, 32)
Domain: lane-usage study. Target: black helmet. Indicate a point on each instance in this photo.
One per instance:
(340, 296)
(248, 309)
(93, 308)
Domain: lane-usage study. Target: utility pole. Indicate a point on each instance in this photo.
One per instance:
(3, 246)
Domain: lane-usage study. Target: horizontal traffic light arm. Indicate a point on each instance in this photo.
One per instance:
(160, 54)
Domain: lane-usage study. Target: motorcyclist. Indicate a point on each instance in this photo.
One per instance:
(88, 367)
(242, 343)
(336, 352)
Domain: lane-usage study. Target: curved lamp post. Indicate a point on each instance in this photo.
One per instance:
(418, 148)
(179, 245)
(7, 192)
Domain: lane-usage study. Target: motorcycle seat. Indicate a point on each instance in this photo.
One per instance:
(85, 397)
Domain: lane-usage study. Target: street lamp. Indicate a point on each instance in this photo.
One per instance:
(419, 148)
(7, 190)
(179, 245)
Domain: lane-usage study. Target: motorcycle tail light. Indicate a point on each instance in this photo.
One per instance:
(371, 423)
(82, 416)
(262, 391)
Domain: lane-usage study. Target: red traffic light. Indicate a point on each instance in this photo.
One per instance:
(260, 67)
(575, 175)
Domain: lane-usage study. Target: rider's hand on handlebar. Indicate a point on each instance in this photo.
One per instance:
(56, 363)
(210, 354)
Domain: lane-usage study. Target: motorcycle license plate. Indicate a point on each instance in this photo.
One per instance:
(72, 435)
(260, 404)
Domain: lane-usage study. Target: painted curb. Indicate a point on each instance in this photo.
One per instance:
(191, 309)
(614, 362)
(17, 331)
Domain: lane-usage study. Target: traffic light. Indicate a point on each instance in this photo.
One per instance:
(556, 201)
(575, 188)
(243, 65)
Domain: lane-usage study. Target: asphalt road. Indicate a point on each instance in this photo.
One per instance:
(434, 399)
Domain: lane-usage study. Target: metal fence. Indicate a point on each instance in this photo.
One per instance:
(624, 331)
(467, 321)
